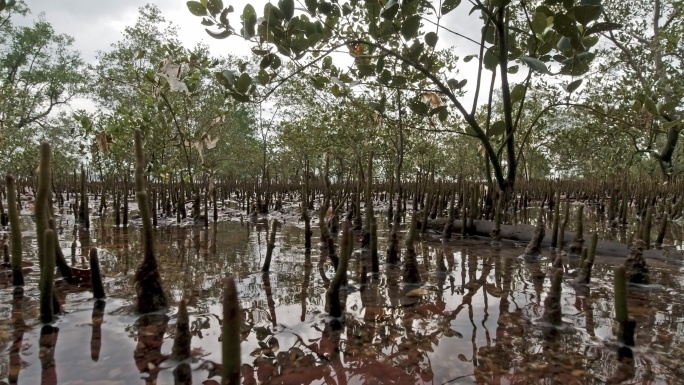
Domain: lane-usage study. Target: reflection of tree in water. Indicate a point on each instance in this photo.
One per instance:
(48, 343)
(17, 322)
(96, 335)
(394, 335)
(150, 330)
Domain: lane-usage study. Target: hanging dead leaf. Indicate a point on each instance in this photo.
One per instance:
(211, 143)
(217, 120)
(358, 50)
(199, 146)
(171, 72)
(378, 119)
(101, 141)
(170, 69)
(432, 98)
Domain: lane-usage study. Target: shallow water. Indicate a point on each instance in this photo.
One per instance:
(475, 320)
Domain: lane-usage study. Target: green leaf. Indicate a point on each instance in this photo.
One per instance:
(249, 21)
(410, 27)
(535, 64)
(602, 27)
(380, 65)
(263, 77)
(230, 76)
(287, 7)
(337, 91)
(380, 107)
(311, 6)
(518, 92)
(431, 39)
(240, 97)
(272, 15)
(266, 61)
(538, 22)
(585, 14)
(650, 106)
(470, 131)
(244, 82)
(215, 7)
(449, 5)
(223, 17)
(668, 125)
(469, 58)
(196, 8)
(564, 25)
(572, 85)
(564, 45)
(497, 128)
(455, 84)
(320, 81)
(419, 107)
(219, 35)
(599, 108)
(490, 60)
(314, 39)
(437, 110)
(513, 69)
(365, 70)
(443, 114)
(390, 10)
(574, 67)
(489, 33)
(590, 41)
(545, 10)
(667, 107)
(636, 106)
(276, 62)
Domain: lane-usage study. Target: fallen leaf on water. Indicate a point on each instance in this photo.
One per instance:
(417, 292)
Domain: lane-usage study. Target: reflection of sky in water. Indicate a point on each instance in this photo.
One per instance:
(458, 328)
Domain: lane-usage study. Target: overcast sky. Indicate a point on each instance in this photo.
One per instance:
(95, 25)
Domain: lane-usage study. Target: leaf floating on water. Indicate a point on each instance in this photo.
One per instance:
(417, 292)
(449, 332)
(273, 344)
(262, 332)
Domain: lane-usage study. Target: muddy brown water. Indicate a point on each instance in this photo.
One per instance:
(477, 319)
